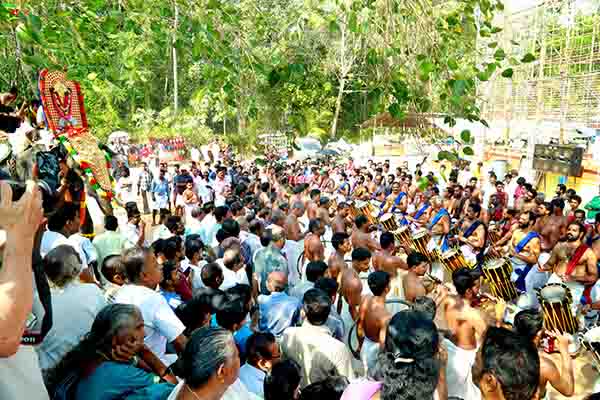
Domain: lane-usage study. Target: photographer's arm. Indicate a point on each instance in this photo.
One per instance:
(20, 220)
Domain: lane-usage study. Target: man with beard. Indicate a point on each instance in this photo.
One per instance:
(337, 262)
(525, 251)
(361, 236)
(340, 222)
(292, 225)
(471, 239)
(360, 191)
(439, 224)
(551, 228)
(373, 319)
(527, 201)
(456, 203)
(573, 263)
(397, 201)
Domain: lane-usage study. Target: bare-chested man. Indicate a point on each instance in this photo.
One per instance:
(361, 190)
(524, 249)
(573, 263)
(529, 324)
(465, 323)
(341, 221)
(528, 201)
(472, 235)
(397, 201)
(351, 286)
(387, 260)
(313, 247)
(323, 211)
(337, 261)
(313, 204)
(373, 319)
(420, 217)
(361, 236)
(412, 282)
(292, 225)
(551, 228)
(299, 195)
(439, 223)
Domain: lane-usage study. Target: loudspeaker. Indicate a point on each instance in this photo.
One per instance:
(563, 160)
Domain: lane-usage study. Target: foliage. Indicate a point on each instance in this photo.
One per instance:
(310, 67)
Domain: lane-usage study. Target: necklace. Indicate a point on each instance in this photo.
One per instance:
(192, 392)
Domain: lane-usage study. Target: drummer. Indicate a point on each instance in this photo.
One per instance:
(422, 212)
(573, 263)
(439, 224)
(361, 236)
(396, 202)
(472, 236)
(525, 247)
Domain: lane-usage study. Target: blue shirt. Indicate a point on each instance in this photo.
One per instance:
(277, 312)
(267, 260)
(160, 187)
(173, 299)
(240, 337)
(112, 380)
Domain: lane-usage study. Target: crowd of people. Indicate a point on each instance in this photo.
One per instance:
(296, 280)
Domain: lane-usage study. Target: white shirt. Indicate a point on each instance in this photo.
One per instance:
(21, 377)
(74, 309)
(51, 240)
(161, 325)
(253, 378)
(132, 234)
(237, 391)
(232, 278)
(317, 352)
(86, 246)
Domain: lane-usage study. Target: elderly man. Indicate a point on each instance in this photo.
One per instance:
(270, 258)
(277, 310)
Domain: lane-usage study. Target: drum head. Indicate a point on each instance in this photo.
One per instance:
(593, 335)
(386, 216)
(402, 229)
(360, 204)
(449, 253)
(553, 293)
(5, 151)
(419, 234)
(493, 264)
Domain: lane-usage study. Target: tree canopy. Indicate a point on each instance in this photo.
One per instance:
(245, 67)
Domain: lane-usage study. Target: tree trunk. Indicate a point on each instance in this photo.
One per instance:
(175, 81)
(338, 106)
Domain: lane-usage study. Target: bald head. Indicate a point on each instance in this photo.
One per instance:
(277, 281)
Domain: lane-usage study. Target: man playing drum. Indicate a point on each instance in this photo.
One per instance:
(340, 223)
(396, 202)
(573, 263)
(439, 224)
(472, 235)
(361, 236)
(524, 254)
(551, 229)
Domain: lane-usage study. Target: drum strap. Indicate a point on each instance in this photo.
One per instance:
(398, 200)
(438, 217)
(520, 282)
(523, 242)
(576, 257)
(471, 229)
(421, 211)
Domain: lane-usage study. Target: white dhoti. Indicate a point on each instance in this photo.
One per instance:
(396, 293)
(458, 372)
(368, 354)
(160, 201)
(468, 254)
(534, 278)
(437, 268)
(293, 250)
(576, 289)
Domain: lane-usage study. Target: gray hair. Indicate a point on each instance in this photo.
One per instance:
(298, 205)
(62, 265)
(205, 352)
(278, 216)
(277, 233)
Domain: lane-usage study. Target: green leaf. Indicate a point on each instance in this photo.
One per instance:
(450, 121)
(513, 61)
(465, 136)
(527, 58)
(34, 61)
(452, 64)
(34, 22)
(458, 88)
(484, 123)
(425, 68)
(508, 73)
(500, 6)
(23, 34)
(514, 42)
(493, 45)
(499, 55)
(496, 29)
(396, 111)
(468, 151)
